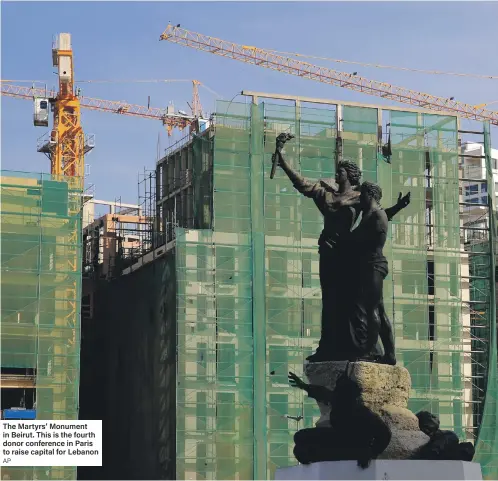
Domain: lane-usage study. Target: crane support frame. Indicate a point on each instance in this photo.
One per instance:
(273, 61)
(111, 106)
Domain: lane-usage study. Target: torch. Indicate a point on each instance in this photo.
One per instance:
(281, 139)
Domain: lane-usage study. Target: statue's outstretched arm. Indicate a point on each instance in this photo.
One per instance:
(303, 185)
(320, 393)
(294, 177)
(310, 189)
(402, 202)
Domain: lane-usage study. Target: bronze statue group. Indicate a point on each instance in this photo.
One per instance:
(352, 269)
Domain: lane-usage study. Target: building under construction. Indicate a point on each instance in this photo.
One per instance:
(189, 345)
(41, 297)
(199, 302)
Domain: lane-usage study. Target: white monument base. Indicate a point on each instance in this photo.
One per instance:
(383, 469)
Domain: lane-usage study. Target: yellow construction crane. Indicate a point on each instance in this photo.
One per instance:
(66, 145)
(43, 97)
(271, 60)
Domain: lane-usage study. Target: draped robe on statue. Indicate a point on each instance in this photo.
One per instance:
(336, 268)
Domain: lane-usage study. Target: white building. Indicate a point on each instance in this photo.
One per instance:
(474, 168)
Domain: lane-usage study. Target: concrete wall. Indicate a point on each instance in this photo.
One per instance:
(128, 373)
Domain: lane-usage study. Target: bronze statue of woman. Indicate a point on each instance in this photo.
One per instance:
(339, 203)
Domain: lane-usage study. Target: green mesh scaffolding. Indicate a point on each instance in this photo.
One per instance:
(249, 300)
(41, 293)
(487, 445)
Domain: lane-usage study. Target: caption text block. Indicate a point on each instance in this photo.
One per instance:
(51, 443)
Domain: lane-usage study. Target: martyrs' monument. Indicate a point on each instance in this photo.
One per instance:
(361, 391)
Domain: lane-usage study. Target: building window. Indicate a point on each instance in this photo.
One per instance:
(430, 277)
(279, 455)
(202, 263)
(457, 417)
(434, 369)
(312, 310)
(310, 412)
(201, 361)
(272, 224)
(279, 360)
(454, 278)
(414, 277)
(201, 411)
(284, 316)
(484, 188)
(225, 411)
(415, 326)
(456, 325)
(278, 412)
(418, 363)
(201, 312)
(201, 461)
(277, 268)
(225, 307)
(417, 405)
(225, 265)
(456, 370)
(432, 323)
(225, 460)
(225, 361)
(471, 189)
(307, 269)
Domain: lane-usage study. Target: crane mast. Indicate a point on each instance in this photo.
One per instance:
(66, 148)
(196, 103)
(271, 60)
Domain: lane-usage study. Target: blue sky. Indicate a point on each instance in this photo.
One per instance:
(120, 40)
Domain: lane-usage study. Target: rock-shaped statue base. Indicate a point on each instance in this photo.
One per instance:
(354, 432)
(385, 390)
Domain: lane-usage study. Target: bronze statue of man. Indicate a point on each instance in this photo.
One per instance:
(339, 203)
(361, 322)
(354, 431)
(443, 445)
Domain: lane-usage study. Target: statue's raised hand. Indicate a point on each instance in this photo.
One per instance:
(403, 200)
(295, 381)
(282, 139)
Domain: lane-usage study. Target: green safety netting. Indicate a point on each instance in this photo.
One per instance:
(249, 297)
(41, 293)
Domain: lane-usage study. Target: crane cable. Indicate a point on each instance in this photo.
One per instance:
(294, 54)
(375, 65)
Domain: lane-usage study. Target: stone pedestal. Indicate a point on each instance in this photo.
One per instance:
(383, 469)
(385, 390)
